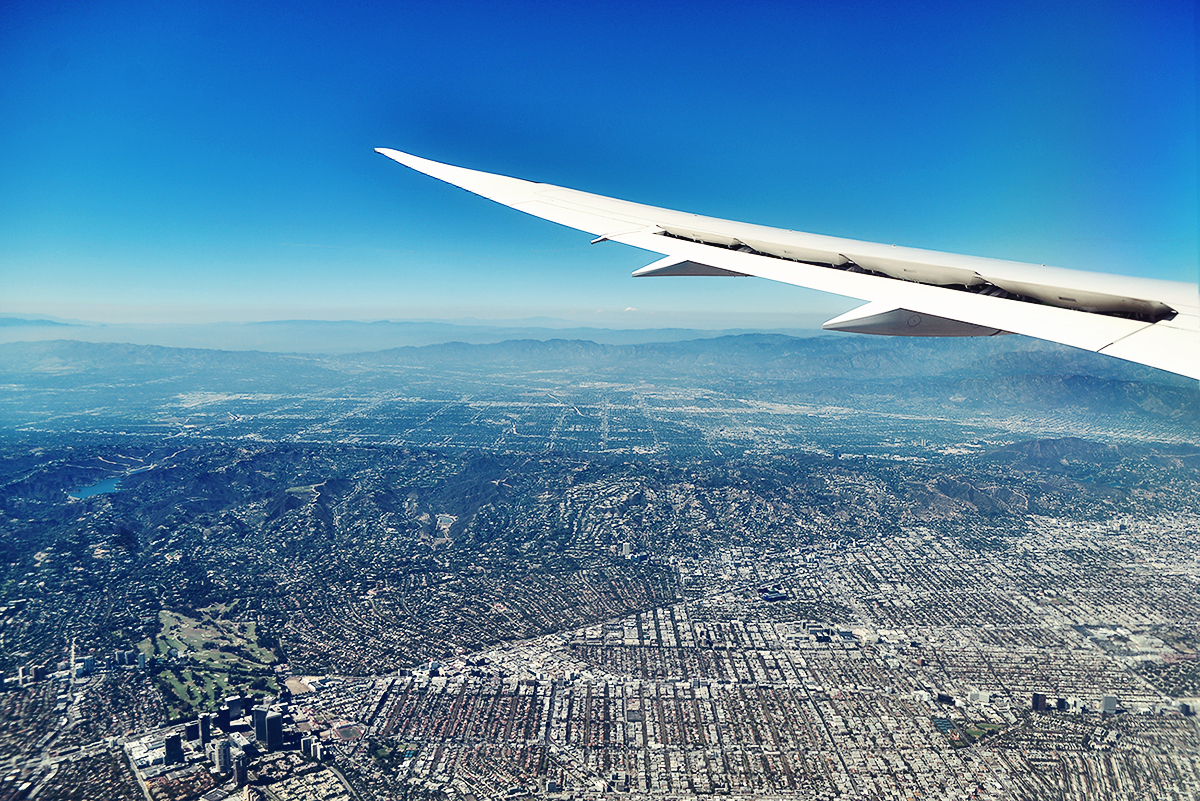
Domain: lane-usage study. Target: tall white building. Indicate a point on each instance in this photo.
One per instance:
(220, 755)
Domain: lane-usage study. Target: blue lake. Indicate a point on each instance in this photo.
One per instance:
(100, 487)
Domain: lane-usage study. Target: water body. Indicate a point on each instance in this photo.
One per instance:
(107, 485)
(99, 488)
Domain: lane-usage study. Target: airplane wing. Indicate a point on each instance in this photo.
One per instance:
(909, 292)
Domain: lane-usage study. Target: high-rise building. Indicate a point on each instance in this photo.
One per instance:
(274, 731)
(240, 770)
(1061, 705)
(221, 755)
(174, 749)
(1039, 702)
(191, 730)
(260, 723)
(223, 717)
(236, 707)
(1108, 705)
(306, 744)
(206, 728)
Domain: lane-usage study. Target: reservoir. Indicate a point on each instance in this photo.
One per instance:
(100, 487)
(107, 485)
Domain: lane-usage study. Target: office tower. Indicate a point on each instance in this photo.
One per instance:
(174, 749)
(274, 731)
(260, 723)
(1039, 702)
(222, 755)
(240, 770)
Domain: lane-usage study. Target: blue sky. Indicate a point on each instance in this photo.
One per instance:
(213, 161)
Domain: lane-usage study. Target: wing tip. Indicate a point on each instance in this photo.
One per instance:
(394, 155)
(443, 172)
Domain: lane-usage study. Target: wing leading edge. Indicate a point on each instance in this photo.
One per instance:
(909, 292)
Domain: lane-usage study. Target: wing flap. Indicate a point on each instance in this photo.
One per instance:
(1174, 347)
(1078, 329)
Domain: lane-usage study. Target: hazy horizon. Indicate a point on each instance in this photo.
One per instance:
(623, 319)
(350, 336)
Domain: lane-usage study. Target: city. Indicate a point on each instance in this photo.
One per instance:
(580, 585)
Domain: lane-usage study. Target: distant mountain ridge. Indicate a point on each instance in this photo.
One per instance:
(995, 375)
(347, 336)
(861, 358)
(18, 322)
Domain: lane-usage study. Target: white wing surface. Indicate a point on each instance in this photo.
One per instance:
(909, 292)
